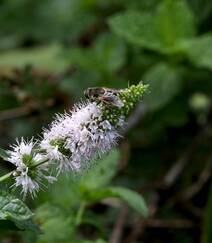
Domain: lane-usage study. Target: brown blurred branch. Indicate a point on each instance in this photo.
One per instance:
(196, 187)
(177, 168)
(119, 226)
(140, 224)
(135, 117)
(15, 112)
(169, 223)
(192, 190)
(196, 211)
(166, 183)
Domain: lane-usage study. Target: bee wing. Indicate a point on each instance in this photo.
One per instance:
(118, 102)
(113, 100)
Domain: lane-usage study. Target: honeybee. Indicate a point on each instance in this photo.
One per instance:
(105, 95)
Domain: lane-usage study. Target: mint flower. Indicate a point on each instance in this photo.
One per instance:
(26, 176)
(75, 139)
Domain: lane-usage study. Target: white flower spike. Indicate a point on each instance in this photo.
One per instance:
(74, 139)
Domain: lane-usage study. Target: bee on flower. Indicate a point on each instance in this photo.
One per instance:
(75, 138)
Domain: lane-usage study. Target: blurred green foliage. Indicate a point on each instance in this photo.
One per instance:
(51, 50)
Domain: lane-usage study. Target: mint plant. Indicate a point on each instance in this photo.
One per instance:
(71, 143)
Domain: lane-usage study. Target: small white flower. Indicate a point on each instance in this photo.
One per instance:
(19, 150)
(27, 177)
(75, 139)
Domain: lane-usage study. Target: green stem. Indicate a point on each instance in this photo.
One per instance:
(80, 213)
(43, 161)
(6, 176)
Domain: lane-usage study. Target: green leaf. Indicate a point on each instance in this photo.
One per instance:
(110, 51)
(199, 51)
(102, 172)
(56, 223)
(94, 221)
(137, 28)
(98, 175)
(15, 215)
(174, 21)
(45, 58)
(4, 154)
(207, 222)
(70, 192)
(13, 208)
(161, 31)
(164, 83)
(27, 225)
(19, 225)
(106, 55)
(133, 199)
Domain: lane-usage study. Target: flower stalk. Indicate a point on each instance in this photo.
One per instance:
(9, 174)
(80, 213)
(6, 176)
